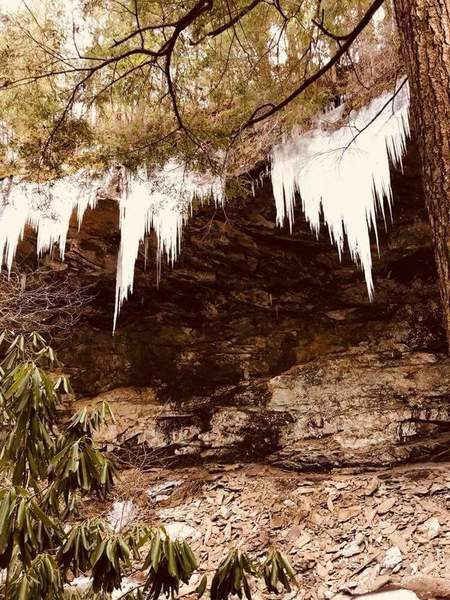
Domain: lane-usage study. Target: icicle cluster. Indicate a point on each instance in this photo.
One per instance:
(344, 174)
(47, 208)
(163, 203)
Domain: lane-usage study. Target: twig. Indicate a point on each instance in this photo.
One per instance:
(350, 38)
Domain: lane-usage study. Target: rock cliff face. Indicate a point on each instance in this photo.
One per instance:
(260, 345)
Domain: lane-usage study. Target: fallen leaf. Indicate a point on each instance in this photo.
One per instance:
(303, 540)
(398, 540)
(345, 514)
(386, 506)
(322, 571)
(369, 514)
(330, 504)
(372, 486)
(276, 522)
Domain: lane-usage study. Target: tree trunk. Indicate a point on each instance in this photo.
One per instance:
(424, 28)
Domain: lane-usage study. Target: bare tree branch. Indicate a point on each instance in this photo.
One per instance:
(350, 38)
(37, 301)
(164, 58)
(375, 117)
(241, 14)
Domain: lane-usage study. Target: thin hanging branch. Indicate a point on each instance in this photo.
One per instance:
(162, 58)
(343, 49)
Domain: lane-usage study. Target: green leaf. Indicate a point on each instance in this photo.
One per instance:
(98, 552)
(155, 551)
(201, 588)
(23, 590)
(170, 555)
(42, 516)
(247, 591)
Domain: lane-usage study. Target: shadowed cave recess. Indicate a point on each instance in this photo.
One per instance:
(259, 345)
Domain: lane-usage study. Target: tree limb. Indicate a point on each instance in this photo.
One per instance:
(215, 32)
(350, 38)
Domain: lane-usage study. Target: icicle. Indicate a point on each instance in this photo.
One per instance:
(47, 208)
(162, 203)
(345, 174)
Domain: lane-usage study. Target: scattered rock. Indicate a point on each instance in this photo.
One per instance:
(372, 486)
(431, 528)
(392, 558)
(122, 514)
(386, 506)
(391, 595)
(351, 549)
(182, 530)
(332, 548)
(162, 491)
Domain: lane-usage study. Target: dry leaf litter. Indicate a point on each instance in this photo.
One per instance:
(344, 533)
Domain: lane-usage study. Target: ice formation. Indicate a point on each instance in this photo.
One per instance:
(343, 173)
(47, 208)
(163, 203)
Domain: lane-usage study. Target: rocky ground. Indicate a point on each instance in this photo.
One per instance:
(344, 532)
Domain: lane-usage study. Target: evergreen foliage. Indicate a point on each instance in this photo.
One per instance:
(47, 468)
(141, 81)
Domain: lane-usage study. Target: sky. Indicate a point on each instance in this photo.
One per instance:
(9, 6)
(72, 15)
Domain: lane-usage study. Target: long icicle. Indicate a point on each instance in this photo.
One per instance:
(344, 174)
(162, 203)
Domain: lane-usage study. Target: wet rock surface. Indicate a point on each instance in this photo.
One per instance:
(260, 344)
